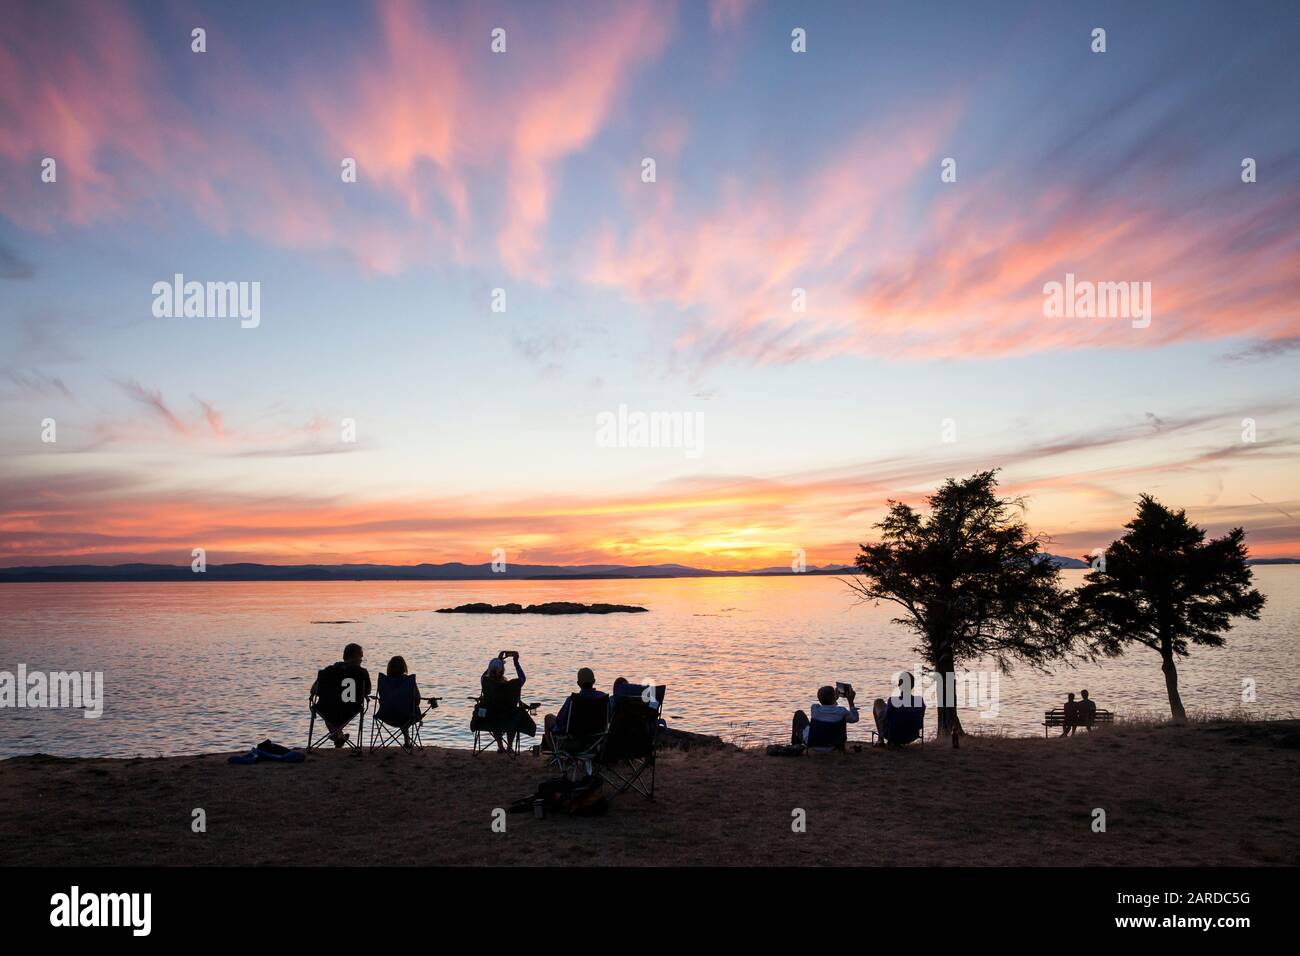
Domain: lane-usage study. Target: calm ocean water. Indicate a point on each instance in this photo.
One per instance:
(202, 667)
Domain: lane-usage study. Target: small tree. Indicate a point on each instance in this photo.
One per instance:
(971, 580)
(1163, 585)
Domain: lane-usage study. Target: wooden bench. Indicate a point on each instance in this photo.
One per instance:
(1056, 718)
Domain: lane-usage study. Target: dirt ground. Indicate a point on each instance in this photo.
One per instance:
(1206, 794)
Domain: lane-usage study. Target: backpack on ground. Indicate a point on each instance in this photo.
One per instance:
(580, 798)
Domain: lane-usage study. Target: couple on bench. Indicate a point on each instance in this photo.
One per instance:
(899, 720)
(1078, 713)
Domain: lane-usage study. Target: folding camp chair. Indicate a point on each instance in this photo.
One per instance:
(827, 736)
(629, 751)
(906, 725)
(327, 693)
(579, 745)
(395, 709)
(498, 713)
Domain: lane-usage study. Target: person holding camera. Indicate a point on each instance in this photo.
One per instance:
(825, 710)
(500, 695)
(495, 675)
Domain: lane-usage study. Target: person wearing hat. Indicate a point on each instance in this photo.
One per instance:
(495, 674)
(559, 723)
(504, 695)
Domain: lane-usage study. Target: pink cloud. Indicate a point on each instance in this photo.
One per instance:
(207, 430)
(963, 278)
(460, 133)
(215, 419)
(461, 139)
(153, 400)
(738, 261)
(711, 521)
(461, 153)
(80, 90)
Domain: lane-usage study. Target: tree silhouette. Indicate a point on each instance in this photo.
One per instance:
(1163, 585)
(971, 580)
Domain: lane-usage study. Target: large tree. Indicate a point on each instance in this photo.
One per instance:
(971, 581)
(1164, 586)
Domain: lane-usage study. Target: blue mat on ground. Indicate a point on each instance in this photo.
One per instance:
(269, 751)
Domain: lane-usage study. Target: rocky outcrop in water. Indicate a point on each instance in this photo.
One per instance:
(552, 607)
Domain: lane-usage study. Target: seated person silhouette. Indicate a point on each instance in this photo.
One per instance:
(341, 690)
(399, 699)
(1087, 713)
(825, 711)
(901, 719)
(559, 723)
(625, 688)
(500, 698)
(1071, 710)
(1072, 715)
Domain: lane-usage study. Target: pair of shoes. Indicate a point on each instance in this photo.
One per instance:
(341, 740)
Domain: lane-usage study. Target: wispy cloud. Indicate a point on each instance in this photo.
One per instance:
(1267, 349)
(31, 383)
(708, 520)
(433, 124)
(214, 418)
(152, 399)
(206, 430)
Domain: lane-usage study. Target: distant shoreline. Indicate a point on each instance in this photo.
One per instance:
(453, 571)
(218, 572)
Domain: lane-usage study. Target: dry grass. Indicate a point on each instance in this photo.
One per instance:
(1211, 793)
(1161, 718)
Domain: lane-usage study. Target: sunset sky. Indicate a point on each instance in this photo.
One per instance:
(522, 171)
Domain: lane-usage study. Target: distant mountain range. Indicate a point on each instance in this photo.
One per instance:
(452, 571)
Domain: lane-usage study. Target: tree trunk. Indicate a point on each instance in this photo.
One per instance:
(1171, 685)
(948, 721)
